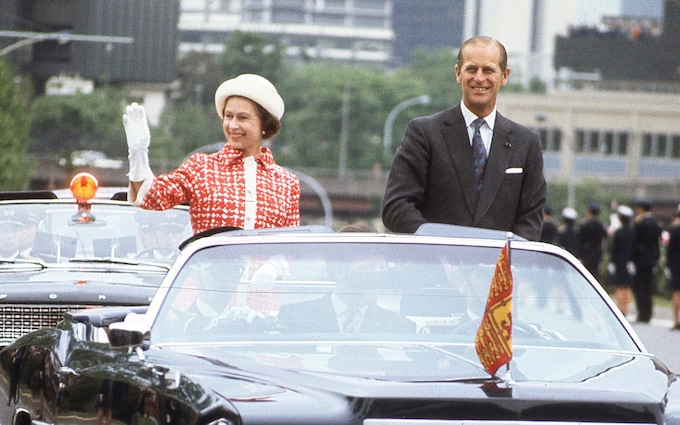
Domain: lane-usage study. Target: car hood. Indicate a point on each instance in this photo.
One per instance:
(600, 383)
(81, 285)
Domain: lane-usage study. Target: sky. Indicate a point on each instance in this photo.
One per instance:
(591, 11)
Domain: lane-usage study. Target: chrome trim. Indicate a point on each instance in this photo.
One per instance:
(482, 422)
(16, 320)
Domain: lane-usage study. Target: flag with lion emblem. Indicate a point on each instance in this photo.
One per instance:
(493, 340)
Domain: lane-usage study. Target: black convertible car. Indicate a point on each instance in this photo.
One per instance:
(305, 326)
(81, 251)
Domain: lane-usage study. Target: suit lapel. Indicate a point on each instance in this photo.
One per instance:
(457, 141)
(497, 163)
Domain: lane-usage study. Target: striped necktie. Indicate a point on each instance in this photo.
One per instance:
(478, 152)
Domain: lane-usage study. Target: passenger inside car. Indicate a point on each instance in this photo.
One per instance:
(10, 229)
(224, 296)
(21, 238)
(160, 234)
(350, 308)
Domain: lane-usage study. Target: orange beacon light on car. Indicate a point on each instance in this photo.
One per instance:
(83, 187)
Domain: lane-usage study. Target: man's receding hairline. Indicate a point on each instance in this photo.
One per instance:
(484, 40)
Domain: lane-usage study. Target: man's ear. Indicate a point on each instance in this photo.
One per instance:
(506, 75)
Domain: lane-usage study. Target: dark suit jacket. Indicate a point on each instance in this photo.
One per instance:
(432, 178)
(620, 254)
(592, 235)
(646, 240)
(318, 316)
(673, 257)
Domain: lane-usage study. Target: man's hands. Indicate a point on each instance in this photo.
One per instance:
(138, 139)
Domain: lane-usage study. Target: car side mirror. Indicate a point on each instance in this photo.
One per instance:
(126, 335)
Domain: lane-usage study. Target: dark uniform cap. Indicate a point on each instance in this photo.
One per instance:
(20, 215)
(645, 204)
(175, 219)
(10, 216)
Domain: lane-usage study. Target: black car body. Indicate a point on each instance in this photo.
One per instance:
(268, 357)
(81, 255)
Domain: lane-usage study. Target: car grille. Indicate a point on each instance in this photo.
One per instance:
(18, 320)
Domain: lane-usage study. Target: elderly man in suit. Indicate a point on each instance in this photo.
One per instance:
(469, 165)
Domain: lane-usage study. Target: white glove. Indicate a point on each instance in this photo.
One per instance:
(275, 267)
(138, 139)
(631, 268)
(264, 277)
(611, 268)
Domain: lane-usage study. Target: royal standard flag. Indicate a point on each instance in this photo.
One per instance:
(493, 340)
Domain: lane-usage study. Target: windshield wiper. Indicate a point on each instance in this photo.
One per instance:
(122, 261)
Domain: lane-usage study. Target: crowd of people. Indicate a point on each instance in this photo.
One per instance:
(635, 245)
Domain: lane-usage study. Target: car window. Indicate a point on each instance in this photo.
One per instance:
(417, 293)
(57, 232)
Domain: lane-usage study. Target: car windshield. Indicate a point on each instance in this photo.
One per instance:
(382, 293)
(54, 232)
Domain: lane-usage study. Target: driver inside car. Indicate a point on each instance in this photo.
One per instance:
(350, 307)
(160, 234)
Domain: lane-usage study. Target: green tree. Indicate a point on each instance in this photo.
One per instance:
(436, 72)
(585, 191)
(15, 169)
(200, 74)
(184, 128)
(312, 124)
(254, 53)
(63, 124)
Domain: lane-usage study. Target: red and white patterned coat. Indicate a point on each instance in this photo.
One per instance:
(214, 186)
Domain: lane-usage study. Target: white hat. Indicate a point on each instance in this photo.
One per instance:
(569, 213)
(625, 211)
(251, 86)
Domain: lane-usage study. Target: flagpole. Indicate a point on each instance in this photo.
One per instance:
(508, 376)
(508, 238)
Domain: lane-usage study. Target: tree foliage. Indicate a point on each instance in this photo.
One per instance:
(253, 53)
(435, 70)
(184, 128)
(63, 124)
(200, 74)
(15, 169)
(312, 125)
(313, 94)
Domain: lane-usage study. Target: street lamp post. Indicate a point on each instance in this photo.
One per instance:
(389, 122)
